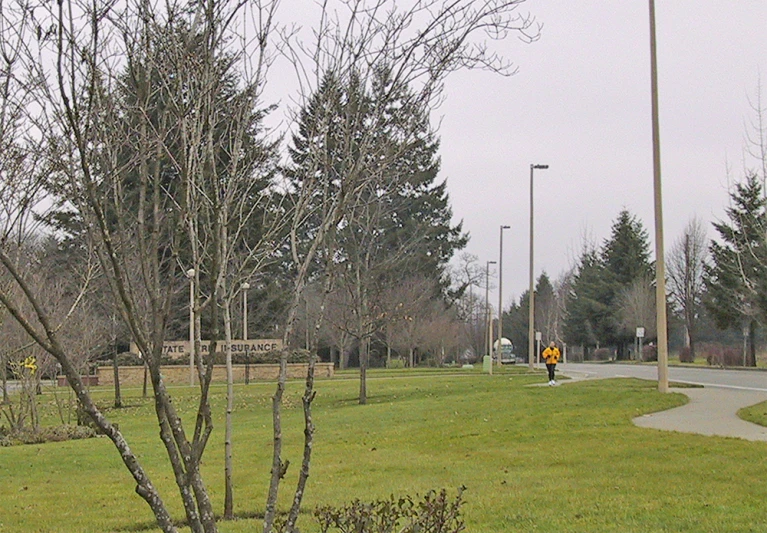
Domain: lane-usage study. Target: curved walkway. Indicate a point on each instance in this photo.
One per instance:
(711, 410)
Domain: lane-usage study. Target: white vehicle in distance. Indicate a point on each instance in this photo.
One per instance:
(508, 357)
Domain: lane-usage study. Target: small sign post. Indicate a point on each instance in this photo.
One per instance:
(538, 345)
(640, 337)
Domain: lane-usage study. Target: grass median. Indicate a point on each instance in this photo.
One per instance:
(550, 459)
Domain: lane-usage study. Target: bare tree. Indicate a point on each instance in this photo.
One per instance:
(466, 280)
(335, 330)
(147, 151)
(389, 55)
(685, 272)
(636, 307)
(563, 287)
(406, 305)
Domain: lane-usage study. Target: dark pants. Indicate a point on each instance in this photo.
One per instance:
(550, 367)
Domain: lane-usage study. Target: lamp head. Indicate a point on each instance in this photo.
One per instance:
(190, 273)
(540, 167)
(245, 286)
(505, 227)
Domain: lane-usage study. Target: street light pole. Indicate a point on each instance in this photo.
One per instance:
(488, 332)
(190, 274)
(531, 293)
(245, 286)
(499, 351)
(660, 265)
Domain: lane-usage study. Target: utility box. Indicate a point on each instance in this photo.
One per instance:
(487, 362)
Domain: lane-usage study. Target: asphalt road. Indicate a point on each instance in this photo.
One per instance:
(751, 380)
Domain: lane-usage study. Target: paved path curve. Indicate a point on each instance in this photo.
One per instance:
(712, 410)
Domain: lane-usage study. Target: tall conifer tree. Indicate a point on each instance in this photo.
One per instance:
(735, 279)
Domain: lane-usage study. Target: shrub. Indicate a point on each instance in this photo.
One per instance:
(719, 355)
(686, 355)
(602, 354)
(395, 363)
(649, 353)
(47, 434)
(128, 359)
(434, 513)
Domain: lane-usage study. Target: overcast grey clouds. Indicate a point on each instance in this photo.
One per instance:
(581, 103)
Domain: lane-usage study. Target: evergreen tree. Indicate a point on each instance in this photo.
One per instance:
(545, 309)
(515, 322)
(376, 136)
(735, 279)
(590, 315)
(626, 257)
(627, 252)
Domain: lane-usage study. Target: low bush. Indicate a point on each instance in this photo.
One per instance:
(45, 434)
(649, 353)
(395, 363)
(434, 513)
(602, 354)
(719, 355)
(686, 355)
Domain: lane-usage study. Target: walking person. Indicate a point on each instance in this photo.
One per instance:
(551, 354)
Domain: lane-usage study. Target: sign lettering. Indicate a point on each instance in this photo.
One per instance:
(179, 349)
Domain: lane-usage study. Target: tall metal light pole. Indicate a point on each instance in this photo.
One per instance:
(499, 351)
(244, 287)
(190, 274)
(660, 265)
(488, 332)
(531, 294)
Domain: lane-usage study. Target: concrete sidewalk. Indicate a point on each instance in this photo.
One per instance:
(711, 410)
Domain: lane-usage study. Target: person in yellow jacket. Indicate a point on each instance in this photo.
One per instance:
(551, 355)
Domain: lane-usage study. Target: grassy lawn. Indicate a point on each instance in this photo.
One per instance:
(564, 459)
(756, 414)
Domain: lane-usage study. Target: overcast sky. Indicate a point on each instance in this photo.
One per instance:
(580, 103)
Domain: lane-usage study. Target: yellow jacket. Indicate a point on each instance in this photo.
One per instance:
(551, 355)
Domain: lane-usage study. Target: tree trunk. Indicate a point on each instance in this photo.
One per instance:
(4, 376)
(752, 344)
(228, 491)
(278, 467)
(116, 369)
(364, 357)
(306, 400)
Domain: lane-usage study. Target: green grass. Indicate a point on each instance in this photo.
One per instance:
(564, 459)
(756, 414)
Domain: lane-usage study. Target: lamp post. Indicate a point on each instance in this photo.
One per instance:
(531, 294)
(660, 265)
(244, 287)
(190, 274)
(499, 351)
(488, 332)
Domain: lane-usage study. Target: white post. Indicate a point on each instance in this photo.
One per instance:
(538, 347)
